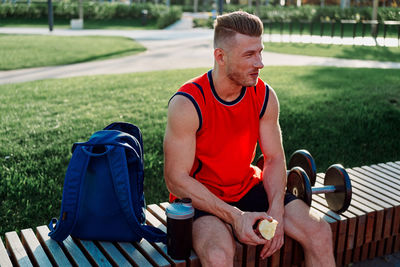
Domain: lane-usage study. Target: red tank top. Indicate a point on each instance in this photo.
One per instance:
(227, 137)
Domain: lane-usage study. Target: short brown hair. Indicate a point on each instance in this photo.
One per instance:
(227, 25)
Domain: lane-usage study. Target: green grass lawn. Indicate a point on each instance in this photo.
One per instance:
(24, 51)
(351, 116)
(114, 24)
(378, 53)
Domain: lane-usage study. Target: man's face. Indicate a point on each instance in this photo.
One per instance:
(244, 59)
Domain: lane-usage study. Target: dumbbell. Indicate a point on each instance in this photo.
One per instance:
(337, 187)
(300, 158)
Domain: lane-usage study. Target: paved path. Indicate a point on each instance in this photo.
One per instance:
(174, 48)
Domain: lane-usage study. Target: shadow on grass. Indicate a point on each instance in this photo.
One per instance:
(351, 116)
(370, 53)
(376, 53)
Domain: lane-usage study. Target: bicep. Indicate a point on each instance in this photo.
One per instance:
(180, 137)
(270, 131)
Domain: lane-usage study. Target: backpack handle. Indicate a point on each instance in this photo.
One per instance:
(120, 175)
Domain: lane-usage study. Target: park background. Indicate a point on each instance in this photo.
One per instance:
(345, 115)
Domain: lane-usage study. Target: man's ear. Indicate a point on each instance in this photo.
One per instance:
(219, 56)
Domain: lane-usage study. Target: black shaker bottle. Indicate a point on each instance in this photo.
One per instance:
(179, 228)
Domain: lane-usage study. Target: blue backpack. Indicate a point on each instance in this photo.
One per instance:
(103, 189)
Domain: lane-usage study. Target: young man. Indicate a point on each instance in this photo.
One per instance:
(214, 124)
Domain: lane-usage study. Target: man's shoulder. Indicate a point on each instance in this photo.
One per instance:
(199, 81)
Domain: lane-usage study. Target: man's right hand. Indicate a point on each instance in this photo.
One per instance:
(243, 227)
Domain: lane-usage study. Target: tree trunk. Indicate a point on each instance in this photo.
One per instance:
(374, 17)
(80, 9)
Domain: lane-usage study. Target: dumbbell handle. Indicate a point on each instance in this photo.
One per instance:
(327, 189)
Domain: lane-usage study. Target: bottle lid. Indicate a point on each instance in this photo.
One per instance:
(180, 210)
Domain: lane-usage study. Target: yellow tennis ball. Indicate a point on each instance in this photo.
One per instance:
(267, 228)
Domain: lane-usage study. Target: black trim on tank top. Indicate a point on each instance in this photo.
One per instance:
(201, 90)
(264, 107)
(198, 169)
(230, 103)
(191, 98)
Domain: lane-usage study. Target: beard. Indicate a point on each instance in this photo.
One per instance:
(242, 79)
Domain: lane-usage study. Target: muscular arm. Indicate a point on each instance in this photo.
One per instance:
(274, 171)
(274, 163)
(179, 153)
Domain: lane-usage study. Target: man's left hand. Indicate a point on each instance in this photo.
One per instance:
(275, 243)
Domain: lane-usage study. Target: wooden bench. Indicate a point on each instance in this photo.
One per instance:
(369, 228)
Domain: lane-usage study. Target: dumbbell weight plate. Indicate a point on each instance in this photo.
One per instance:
(299, 185)
(302, 158)
(339, 200)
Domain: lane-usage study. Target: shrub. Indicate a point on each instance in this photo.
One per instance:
(93, 10)
(169, 17)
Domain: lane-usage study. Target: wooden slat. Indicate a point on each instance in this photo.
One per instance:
(33, 248)
(112, 253)
(17, 252)
(375, 220)
(287, 252)
(356, 254)
(370, 196)
(133, 255)
(389, 174)
(365, 251)
(92, 252)
(393, 166)
(391, 188)
(151, 254)
(274, 260)
(249, 253)
(397, 244)
(4, 258)
(351, 222)
(359, 209)
(162, 248)
(380, 248)
(372, 250)
(261, 262)
(194, 260)
(239, 255)
(340, 240)
(389, 245)
(340, 243)
(74, 253)
(356, 228)
(164, 205)
(365, 226)
(51, 247)
(298, 254)
(159, 214)
(382, 192)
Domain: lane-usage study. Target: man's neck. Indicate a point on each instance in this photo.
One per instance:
(226, 89)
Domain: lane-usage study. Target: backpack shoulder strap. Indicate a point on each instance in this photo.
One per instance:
(120, 175)
(71, 193)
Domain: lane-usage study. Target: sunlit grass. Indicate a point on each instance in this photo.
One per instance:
(351, 116)
(24, 51)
